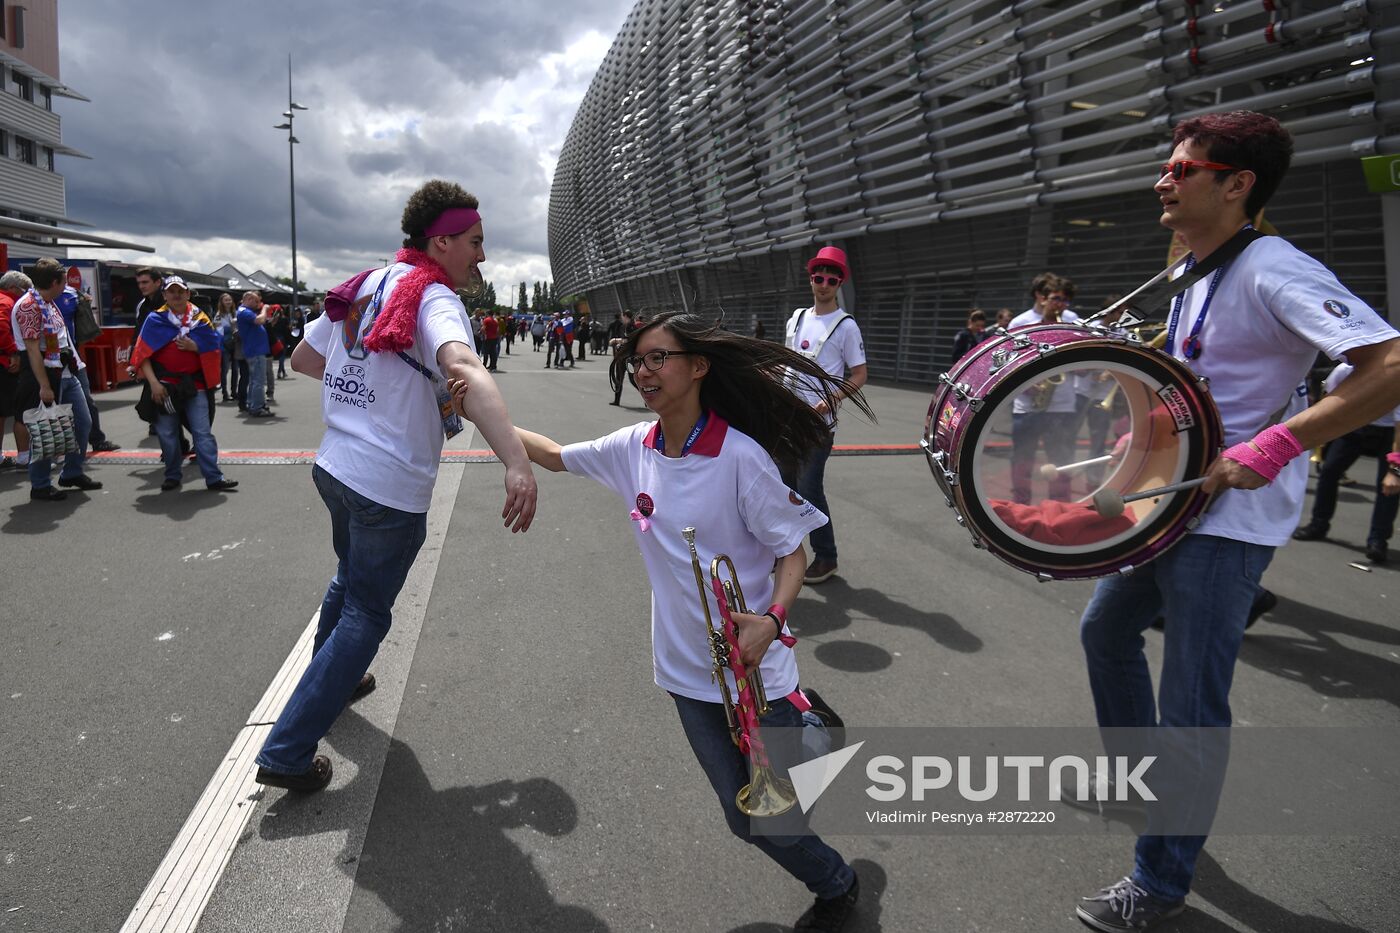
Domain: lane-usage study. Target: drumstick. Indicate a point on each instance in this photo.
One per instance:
(1109, 503)
(1050, 471)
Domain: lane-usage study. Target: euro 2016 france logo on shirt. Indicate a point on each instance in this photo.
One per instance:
(1336, 308)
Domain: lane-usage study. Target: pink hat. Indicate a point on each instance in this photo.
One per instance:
(830, 256)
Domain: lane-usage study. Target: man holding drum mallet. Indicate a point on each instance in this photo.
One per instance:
(1253, 328)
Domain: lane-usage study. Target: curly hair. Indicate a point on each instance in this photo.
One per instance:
(1244, 139)
(747, 385)
(427, 204)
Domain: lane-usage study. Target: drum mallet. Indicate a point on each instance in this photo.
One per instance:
(1050, 471)
(1109, 503)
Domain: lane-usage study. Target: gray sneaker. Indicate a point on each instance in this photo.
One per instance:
(1125, 906)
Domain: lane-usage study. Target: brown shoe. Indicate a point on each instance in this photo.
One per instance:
(819, 571)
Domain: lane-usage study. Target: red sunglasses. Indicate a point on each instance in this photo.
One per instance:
(826, 279)
(1183, 167)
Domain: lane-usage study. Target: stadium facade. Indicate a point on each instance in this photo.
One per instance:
(954, 148)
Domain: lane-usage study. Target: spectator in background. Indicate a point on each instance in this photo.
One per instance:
(1376, 439)
(148, 283)
(279, 333)
(584, 333)
(537, 329)
(176, 355)
(490, 339)
(51, 376)
(253, 333)
(70, 305)
(971, 335)
(1004, 318)
(225, 321)
(508, 331)
(12, 286)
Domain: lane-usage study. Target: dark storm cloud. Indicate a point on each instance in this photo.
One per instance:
(184, 97)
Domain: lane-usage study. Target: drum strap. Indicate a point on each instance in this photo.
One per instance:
(1161, 288)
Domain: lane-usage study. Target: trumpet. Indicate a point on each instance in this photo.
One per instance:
(766, 794)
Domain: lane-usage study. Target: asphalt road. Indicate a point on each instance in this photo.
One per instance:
(517, 769)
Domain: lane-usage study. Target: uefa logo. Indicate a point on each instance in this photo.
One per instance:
(1336, 308)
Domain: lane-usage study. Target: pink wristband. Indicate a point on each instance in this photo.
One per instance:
(1277, 446)
(1393, 458)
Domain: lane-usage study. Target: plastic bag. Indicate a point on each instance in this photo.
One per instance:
(51, 431)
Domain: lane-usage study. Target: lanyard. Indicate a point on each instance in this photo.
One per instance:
(1191, 348)
(689, 441)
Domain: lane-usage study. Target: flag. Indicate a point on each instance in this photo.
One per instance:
(158, 331)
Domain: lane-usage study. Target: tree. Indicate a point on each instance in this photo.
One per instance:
(287, 281)
(523, 305)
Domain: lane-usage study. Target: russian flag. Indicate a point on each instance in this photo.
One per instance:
(158, 331)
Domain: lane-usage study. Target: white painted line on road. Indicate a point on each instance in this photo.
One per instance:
(180, 888)
(177, 894)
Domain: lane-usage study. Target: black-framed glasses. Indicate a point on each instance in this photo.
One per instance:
(832, 280)
(1183, 167)
(654, 359)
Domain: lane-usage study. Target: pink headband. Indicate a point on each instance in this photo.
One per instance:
(452, 221)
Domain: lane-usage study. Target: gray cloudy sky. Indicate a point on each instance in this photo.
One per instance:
(185, 97)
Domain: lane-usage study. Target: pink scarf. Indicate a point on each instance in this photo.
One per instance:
(397, 321)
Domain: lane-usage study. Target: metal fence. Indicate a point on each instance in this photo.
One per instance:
(954, 148)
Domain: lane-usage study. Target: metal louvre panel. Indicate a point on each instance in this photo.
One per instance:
(954, 147)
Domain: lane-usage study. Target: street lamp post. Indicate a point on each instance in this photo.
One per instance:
(290, 115)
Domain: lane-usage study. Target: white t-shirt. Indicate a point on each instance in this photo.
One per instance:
(844, 347)
(1062, 400)
(383, 429)
(728, 489)
(1338, 375)
(1274, 309)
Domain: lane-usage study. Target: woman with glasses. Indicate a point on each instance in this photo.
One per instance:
(724, 416)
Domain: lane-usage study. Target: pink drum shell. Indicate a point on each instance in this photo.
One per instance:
(952, 412)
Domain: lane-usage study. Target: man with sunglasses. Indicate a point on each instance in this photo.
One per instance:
(830, 337)
(1253, 329)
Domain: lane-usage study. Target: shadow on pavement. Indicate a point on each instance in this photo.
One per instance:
(1319, 660)
(36, 518)
(866, 918)
(441, 858)
(1211, 884)
(843, 602)
(181, 504)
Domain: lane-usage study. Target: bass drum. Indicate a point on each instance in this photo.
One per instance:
(1035, 434)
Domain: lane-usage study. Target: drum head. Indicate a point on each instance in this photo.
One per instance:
(1058, 441)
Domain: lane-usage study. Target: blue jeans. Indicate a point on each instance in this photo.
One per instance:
(1057, 430)
(375, 546)
(68, 392)
(1341, 454)
(95, 433)
(806, 858)
(1203, 587)
(811, 485)
(257, 383)
(206, 449)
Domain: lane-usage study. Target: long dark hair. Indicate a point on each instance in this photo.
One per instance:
(747, 385)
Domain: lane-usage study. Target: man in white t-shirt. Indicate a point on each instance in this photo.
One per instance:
(828, 335)
(1375, 439)
(1253, 330)
(1044, 413)
(382, 354)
